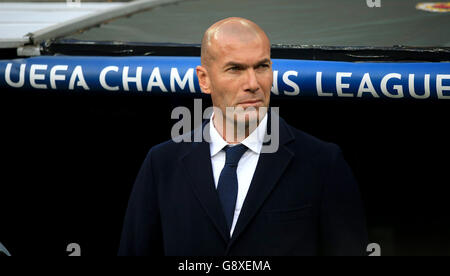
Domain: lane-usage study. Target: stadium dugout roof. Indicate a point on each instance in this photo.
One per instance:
(305, 22)
(20, 22)
(337, 30)
(25, 23)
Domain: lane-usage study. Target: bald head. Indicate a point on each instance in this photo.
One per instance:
(229, 30)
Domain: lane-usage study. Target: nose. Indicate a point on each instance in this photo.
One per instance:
(252, 84)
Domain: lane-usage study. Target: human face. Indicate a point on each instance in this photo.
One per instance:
(239, 75)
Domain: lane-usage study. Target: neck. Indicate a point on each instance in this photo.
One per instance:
(231, 131)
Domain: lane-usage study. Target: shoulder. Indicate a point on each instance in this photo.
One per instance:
(173, 149)
(307, 145)
(168, 150)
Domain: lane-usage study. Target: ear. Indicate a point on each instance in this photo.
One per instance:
(203, 79)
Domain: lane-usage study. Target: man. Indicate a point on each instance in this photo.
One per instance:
(229, 197)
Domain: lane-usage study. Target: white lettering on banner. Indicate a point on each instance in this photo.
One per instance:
(103, 78)
(156, 80)
(21, 80)
(78, 74)
(398, 88)
(115, 78)
(36, 77)
(340, 85)
(370, 89)
(55, 77)
(412, 91)
(320, 92)
(127, 79)
(366, 86)
(441, 88)
(188, 78)
(274, 88)
(290, 83)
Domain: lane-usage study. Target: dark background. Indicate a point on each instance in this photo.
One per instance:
(69, 162)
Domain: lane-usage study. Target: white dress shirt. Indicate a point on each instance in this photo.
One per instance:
(246, 166)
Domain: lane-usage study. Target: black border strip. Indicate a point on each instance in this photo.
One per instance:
(331, 53)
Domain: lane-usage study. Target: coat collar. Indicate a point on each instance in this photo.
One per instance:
(254, 141)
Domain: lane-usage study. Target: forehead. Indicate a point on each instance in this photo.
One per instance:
(240, 49)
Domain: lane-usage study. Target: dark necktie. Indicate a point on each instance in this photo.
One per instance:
(228, 182)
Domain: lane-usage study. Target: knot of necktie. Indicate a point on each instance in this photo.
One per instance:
(234, 154)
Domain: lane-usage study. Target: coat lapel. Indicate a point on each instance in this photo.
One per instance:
(197, 163)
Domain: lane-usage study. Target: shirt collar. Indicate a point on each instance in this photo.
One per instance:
(254, 141)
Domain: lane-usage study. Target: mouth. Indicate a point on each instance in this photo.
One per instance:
(249, 103)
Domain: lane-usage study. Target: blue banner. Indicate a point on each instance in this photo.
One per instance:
(165, 75)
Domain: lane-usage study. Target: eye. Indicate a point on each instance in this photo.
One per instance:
(234, 68)
(264, 65)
